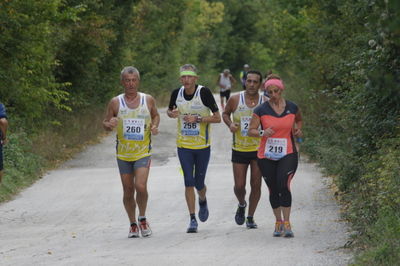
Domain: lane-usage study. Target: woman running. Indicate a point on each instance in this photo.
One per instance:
(280, 121)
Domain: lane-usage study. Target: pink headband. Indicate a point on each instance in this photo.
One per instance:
(276, 82)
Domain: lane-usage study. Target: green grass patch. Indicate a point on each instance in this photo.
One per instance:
(28, 156)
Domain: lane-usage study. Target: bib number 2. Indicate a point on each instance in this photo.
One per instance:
(244, 125)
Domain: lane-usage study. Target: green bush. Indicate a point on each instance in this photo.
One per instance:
(21, 165)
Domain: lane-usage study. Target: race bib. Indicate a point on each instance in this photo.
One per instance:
(275, 148)
(190, 129)
(133, 129)
(244, 125)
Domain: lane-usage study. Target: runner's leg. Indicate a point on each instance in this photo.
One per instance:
(255, 184)
(239, 175)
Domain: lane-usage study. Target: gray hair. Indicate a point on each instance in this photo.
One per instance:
(130, 70)
(188, 67)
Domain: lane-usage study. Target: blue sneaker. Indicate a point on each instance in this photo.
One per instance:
(192, 226)
(287, 229)
(278, 229)
(239, 216)
(203, 211)
(250, 224)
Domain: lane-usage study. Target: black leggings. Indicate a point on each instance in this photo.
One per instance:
(277, 175)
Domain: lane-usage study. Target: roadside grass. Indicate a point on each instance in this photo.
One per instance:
(27, 158)
(372, 203)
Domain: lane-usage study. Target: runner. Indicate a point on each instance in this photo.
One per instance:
(225, 82)
(280, 120)
(243, 75)
(3, 136)
(192, 104)
(244, 148)
(136, 118)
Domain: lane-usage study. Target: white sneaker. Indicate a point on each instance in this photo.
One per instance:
(144, 228)
(133, 231)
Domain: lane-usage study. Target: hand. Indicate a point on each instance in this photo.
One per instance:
(298, 132)
(190, 118)
(269, 132)
(113, 122)
(154, 130)
(233, 127)
(174, 113)
(4, 141)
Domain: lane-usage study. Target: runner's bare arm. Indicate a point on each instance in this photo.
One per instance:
(155, 116)
(110, 120)
(3, 129)
(230, 107)
(233, 80)
(214, 118)
(298, 120)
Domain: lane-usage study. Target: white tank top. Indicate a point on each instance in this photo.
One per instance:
(225, 81)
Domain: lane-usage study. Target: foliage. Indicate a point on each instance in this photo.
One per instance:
(339, 60)
(21, 165)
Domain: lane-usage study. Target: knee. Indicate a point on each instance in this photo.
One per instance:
(141, 188)
(128, 198)
(128, 191)
(239, 186)
(255, 183)
(199, 187)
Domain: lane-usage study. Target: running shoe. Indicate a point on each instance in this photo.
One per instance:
(144, 228)
(250, 224)
(203, 211)
(133, 231)
(278, 229)
(287, 230)
(239, 217)
(192, 226)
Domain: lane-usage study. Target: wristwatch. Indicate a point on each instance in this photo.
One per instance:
(199, 119)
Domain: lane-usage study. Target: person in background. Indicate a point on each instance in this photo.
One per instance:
(136, 118)
(243, 75)
(280, 122)
(225, 82)
(195, 108)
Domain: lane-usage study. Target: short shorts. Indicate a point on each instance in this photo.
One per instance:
(126, 167)
(225, 94)
(243, 157)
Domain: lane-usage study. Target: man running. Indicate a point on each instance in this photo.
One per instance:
(244, 148)
(192, 105)
(3, 136)
(225, 82)
(136, 118)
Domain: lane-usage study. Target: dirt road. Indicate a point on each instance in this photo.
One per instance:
(74, 216)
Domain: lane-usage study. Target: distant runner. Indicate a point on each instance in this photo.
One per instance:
(225, 82)
(244, 148)
(136, 118)
(192, 105)
(243, 75)
(281, 121)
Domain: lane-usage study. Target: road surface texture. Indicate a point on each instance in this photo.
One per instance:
(74, 215)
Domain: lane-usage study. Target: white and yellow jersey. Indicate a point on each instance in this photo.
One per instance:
(133, 130)
(242, 116)
(192, 135)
